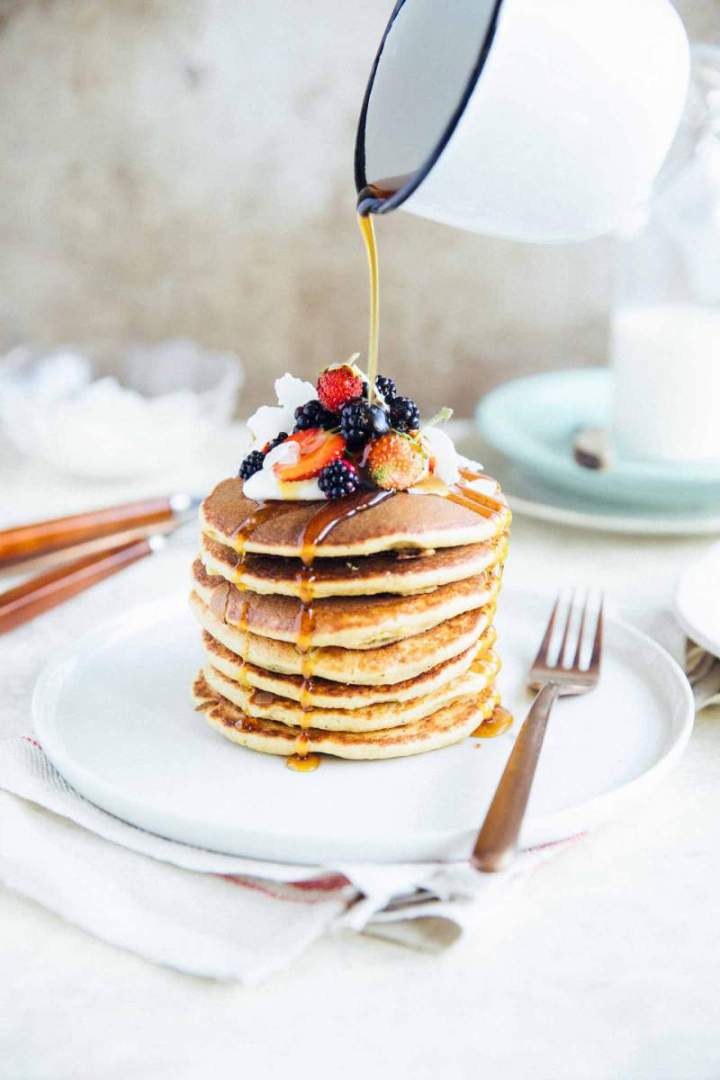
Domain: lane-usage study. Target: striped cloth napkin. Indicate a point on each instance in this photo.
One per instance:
(210, 914)
(703, 671)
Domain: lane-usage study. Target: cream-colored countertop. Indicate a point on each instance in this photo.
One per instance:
(603, 966)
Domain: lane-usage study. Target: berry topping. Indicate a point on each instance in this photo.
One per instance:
(253, 463)
(317, 448)
(380, 420)
(404, 414)
(338, 479)
(396, 462)
(386, 387)
(360, 422)
(275, 442)
(338, 385)
(313, 415)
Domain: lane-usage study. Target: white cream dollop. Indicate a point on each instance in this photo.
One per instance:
(441, 447)
(268, 421)
(264, 484)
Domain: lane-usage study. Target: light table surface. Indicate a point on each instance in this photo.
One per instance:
(604, 964)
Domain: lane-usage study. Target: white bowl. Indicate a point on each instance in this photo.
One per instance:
(113, 412)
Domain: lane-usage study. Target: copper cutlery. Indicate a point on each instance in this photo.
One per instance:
(98, 543)
(557, 670)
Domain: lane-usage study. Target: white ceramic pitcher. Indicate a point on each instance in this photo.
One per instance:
(538, 120)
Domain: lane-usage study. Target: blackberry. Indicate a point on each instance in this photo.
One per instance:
(360, 422)
(380, 420)
(386, 387)
(253, 463)
(276, 442)
(313, 414)
(338, 479)
(404, 414)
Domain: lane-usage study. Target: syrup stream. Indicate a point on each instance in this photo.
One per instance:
(367, 229)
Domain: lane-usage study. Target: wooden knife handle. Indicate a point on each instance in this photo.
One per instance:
(39, 594)
(25, 541)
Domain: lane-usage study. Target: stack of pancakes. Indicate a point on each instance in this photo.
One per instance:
(359, 627)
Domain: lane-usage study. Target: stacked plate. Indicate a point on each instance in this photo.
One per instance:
(360, 628)
(528, 429)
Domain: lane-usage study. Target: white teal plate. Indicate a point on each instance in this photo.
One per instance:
(531, 496)
(533, 421)
(115, 717)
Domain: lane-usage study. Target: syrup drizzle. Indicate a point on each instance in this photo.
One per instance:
(326, 518)
(497, 723)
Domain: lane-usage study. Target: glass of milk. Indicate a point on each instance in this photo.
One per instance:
(665, 323)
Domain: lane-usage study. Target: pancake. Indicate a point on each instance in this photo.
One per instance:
(402, 572)
(350, 622)
(324, 694)
(448, 725)
(388, 664)
(361, 524)
(260, 703)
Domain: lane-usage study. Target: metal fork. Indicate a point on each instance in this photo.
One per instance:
(498, 837)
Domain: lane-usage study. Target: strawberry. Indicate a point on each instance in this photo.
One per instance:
(396, 462)
(339, 384)
(318, 448)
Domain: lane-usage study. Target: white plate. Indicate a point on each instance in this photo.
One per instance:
(530, 496)
(114, 716)
(697, 604)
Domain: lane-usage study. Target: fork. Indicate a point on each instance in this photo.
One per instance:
(553, 674)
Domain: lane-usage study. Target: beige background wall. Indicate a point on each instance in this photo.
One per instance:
(186, 169)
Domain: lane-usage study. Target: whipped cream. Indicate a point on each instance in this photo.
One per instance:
(268, 421)
(442, 449)
(264, 484)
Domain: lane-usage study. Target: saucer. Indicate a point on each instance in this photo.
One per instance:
(530, 496)
(533, 422)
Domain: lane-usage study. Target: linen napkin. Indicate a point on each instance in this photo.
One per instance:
(206, 913)
(703, 671)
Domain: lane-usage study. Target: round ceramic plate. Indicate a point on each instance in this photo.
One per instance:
(114, 716)
(533, 421)
(531, 496)
(696, 601)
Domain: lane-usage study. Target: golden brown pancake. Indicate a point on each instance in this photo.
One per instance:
(442, 728)
(388, 664)
(362, 524)
(260, 703)
(402, 572)
(351, 622)
(324, 694)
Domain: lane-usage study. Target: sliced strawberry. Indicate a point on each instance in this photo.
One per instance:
(318, 448)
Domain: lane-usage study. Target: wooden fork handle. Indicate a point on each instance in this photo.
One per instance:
(498, 837)
(39, 594)
(25, 541)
